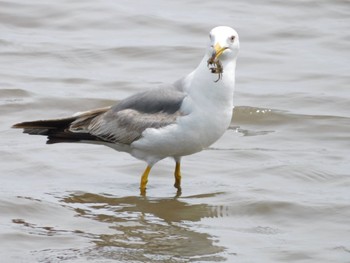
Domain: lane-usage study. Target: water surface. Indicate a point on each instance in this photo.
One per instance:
(274, 188)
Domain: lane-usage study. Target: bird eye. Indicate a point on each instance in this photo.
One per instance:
(232, 38)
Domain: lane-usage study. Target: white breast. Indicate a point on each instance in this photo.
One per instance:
(207, 113)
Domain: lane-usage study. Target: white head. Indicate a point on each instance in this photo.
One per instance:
(224, 44)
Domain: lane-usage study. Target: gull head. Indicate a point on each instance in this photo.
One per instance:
(223, 49)
(223, 43)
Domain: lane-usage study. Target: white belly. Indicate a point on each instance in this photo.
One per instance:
(192, 133)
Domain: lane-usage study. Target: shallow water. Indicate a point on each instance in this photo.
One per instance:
(274, 188)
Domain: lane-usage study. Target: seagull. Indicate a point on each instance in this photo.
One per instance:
(166, 121)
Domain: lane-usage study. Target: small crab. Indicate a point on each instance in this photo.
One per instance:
(213, 63)
(215, 67)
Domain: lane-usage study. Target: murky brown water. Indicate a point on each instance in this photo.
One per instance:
(275, 188)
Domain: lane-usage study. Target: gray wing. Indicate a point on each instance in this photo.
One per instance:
(125, 122)
(166, 99)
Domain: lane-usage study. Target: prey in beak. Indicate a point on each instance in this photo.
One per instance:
(214, 63)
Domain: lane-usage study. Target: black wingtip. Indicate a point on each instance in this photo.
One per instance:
(17, 126)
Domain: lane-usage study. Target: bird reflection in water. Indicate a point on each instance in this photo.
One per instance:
(148, 228)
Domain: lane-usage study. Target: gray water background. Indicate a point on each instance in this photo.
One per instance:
(274, 188)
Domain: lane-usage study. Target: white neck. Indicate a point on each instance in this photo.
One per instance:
(208, 104)
(207, 89)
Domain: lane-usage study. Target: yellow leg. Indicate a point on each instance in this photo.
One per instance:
(177, 176)
(144, 179)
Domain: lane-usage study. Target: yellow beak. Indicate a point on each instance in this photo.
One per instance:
(218, 51)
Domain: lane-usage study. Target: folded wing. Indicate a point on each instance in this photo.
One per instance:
(123, 123)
